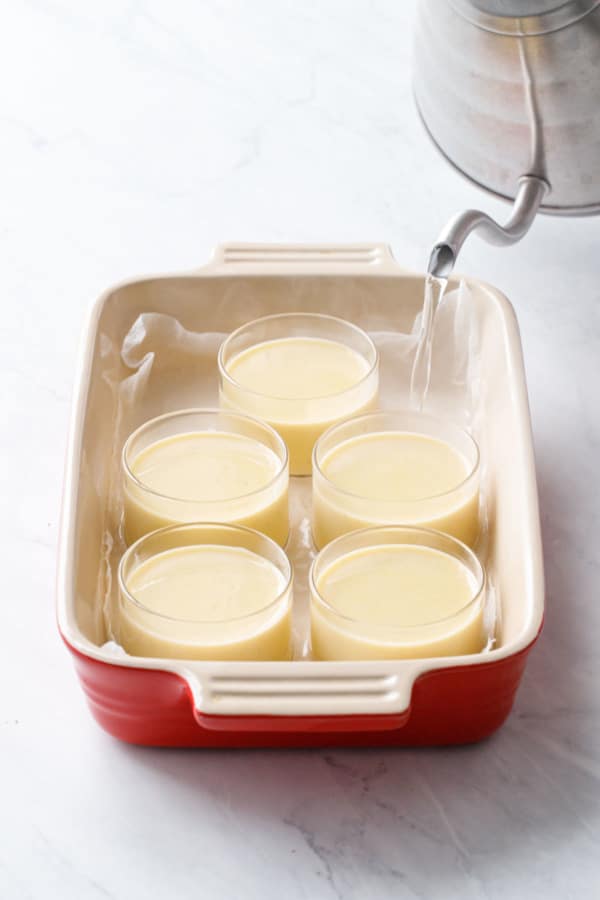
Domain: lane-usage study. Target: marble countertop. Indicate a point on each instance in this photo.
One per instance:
(133, 138)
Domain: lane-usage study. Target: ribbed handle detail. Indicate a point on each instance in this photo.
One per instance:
(284, 258)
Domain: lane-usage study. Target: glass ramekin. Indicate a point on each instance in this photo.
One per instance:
(263, 634)
(265, 509)
(336, 636)
(337, 511)
(300, 420)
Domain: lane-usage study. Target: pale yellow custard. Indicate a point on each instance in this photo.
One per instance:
(214, 476)
(300, 386)
(395, 601)
(206, 601)
(394, 477)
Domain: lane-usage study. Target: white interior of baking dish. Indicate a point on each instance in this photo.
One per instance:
(151, 347)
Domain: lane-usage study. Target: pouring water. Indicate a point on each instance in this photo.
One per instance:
(439, 269)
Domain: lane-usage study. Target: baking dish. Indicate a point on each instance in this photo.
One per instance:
(302, 702)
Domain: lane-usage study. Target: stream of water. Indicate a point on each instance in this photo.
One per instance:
(421, 370)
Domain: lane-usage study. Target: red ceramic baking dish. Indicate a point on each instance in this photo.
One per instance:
(300, 703)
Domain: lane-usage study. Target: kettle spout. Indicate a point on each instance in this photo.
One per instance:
(526, 204)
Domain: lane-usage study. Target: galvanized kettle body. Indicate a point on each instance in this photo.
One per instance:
(510, 92)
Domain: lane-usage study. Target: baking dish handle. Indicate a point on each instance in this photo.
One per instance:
(375, 699)
(269, 259)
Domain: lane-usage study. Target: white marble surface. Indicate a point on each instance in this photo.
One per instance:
(133, 137)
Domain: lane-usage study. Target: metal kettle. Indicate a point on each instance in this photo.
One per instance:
(509, 90)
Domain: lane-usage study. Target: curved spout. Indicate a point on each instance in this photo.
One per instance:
(527, 201)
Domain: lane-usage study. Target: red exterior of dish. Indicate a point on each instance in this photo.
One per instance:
(456, 705)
